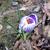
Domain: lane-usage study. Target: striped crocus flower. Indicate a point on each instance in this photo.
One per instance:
(28, 23)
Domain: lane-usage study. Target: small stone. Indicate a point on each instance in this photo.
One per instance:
(1, 27)
(6, 48)
(8, 27)
(23, 8)
(14, 3)
(37, 9)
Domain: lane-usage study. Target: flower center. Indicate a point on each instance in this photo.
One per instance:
(29, 21)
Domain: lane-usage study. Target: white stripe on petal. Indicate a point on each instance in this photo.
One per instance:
(22, 22)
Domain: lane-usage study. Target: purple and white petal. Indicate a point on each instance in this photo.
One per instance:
(28, 23)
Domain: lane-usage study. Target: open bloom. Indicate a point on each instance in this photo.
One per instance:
(28, 23)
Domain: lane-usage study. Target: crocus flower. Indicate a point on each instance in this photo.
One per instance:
(28, 23)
